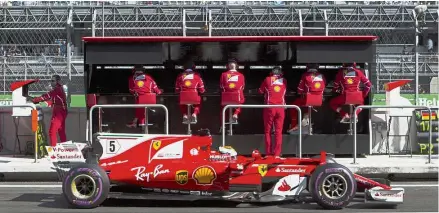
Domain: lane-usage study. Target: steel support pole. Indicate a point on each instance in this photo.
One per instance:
(416, 59)
(184, 22)
(103, 19)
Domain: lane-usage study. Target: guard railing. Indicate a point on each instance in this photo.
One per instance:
(388, 107)
(115, 106)
(34, 121)
(263, 106)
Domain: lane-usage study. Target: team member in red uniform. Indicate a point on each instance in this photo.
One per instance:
(143, 84)
(189, 80)
(348, 79)
(274, 87)
(312, 81)
(57, 98)
(233, 81)
(138, 70)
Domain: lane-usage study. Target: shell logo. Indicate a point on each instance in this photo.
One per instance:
(187, 83)
(50, 149)
(204, 175)
(317, 85)
(350, 81)
(276, 88)
(232, 85)
(140, 83)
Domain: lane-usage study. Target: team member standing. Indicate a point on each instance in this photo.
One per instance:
(274, 87)
(348, 79)
(312, 81)
(189, 80)
(233, 81)
(143, 85)
(57, 97)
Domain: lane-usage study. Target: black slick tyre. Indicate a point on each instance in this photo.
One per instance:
(332, 186)
(86, 186)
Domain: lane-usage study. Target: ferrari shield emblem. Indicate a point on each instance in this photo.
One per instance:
(181, 177)
(228, 76)
(262, 169)
(156, 144)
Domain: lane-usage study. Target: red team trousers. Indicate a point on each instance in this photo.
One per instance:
(294, 113)
(274, 116)
(58, 125)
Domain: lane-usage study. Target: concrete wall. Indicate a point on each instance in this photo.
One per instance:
(75, 128)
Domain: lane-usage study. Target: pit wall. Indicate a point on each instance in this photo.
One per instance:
(77, 119)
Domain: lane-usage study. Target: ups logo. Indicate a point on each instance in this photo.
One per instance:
(181, 177)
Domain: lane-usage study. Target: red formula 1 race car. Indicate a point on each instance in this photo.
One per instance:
(138, 166)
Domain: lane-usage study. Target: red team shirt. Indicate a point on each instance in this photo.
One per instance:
(233, 81)
(56, 97)
(311, 82)
(350, 81)
(145, 84)
(189, 82)
(274, 89)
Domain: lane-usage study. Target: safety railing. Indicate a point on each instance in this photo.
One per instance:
(263, 106)
(116, 106)
(34, 121)
(389, 107)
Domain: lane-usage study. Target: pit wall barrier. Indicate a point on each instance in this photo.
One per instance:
(75, 130)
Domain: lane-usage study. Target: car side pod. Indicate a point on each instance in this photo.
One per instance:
(380, 195)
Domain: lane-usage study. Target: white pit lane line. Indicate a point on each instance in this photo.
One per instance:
(59, 186)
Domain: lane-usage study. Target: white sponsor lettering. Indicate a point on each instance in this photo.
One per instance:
(158, 172)
(113, 163)
(389, 194)
(157, 190)
(299, 170)
(206, 193)
(140, 174)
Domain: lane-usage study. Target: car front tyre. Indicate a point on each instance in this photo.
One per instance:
(332, 186)
(86, 186)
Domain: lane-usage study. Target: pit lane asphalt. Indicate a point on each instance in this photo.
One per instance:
(46, 197)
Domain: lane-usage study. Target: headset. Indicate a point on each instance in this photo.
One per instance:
(277, 70)
(313, 67)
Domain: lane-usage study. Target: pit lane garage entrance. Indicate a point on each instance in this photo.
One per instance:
(109, 61)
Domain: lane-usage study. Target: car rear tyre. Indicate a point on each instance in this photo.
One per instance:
(86, 186)
(332, 186)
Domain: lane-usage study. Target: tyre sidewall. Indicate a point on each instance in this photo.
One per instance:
(316, 183)
(102, 186)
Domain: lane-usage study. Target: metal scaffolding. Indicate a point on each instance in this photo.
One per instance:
(46, 31)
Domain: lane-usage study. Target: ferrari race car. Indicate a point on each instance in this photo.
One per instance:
(140, 166)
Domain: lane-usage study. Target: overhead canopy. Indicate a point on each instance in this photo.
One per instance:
(276, 49)
(18, 84)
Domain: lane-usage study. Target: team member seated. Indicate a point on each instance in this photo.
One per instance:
(347, 81)
(313, 82)
(189, 81)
